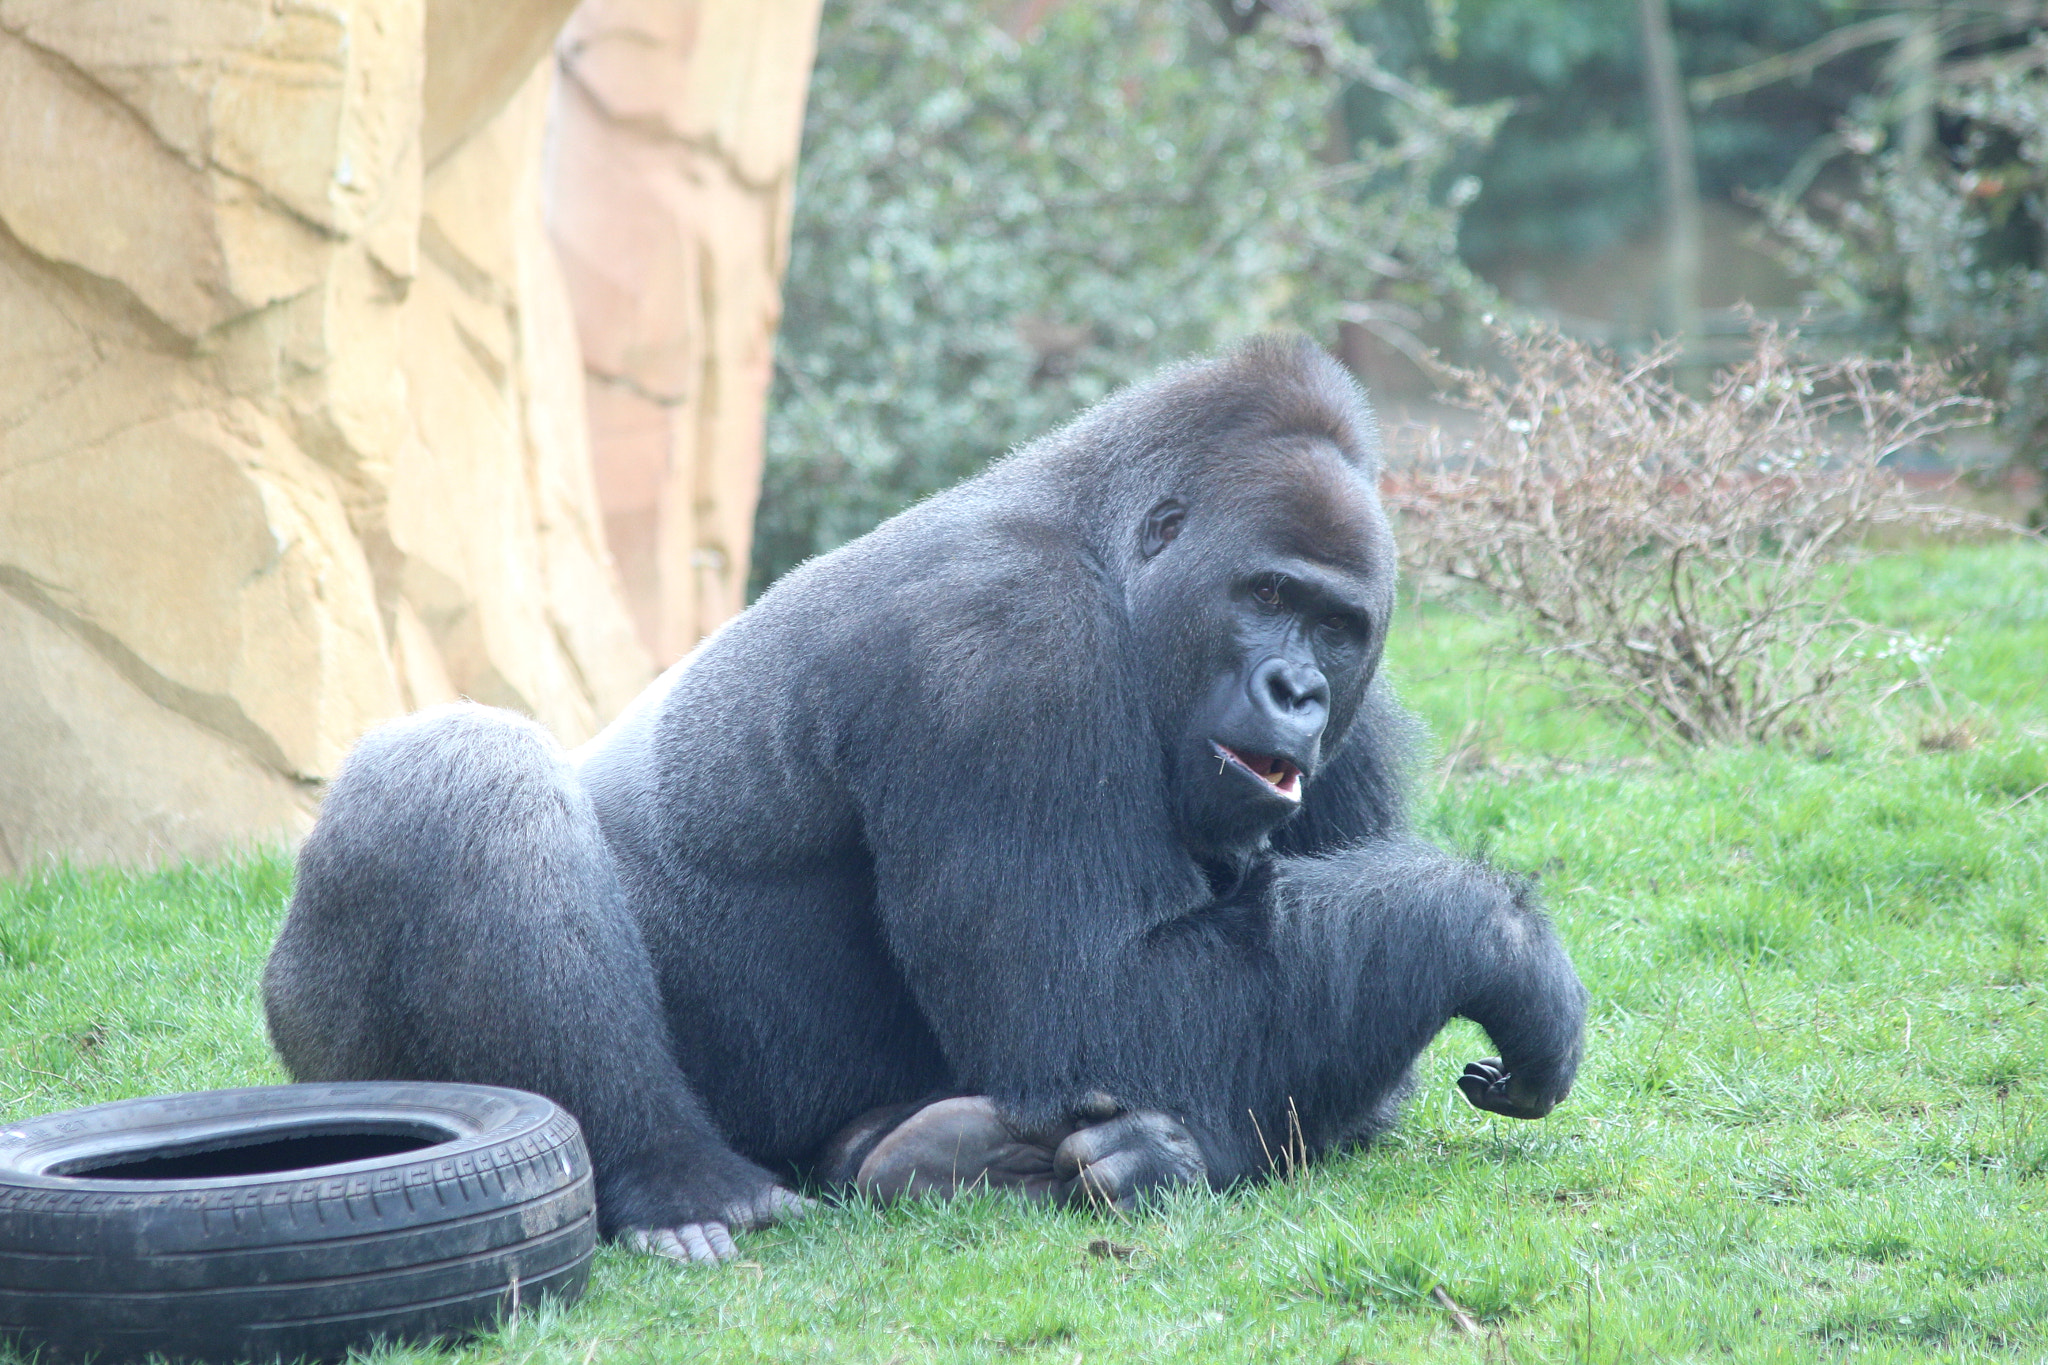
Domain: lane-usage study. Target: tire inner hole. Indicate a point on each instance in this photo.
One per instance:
(251, 1154)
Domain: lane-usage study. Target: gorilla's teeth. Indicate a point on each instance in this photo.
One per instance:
(1277, 773)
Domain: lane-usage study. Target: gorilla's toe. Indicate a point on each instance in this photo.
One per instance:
(697, 1243)
(767, 1207)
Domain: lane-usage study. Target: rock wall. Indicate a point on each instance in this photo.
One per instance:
(669, 184)
(291, 409)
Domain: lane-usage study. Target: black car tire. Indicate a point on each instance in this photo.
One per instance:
(279, 1222)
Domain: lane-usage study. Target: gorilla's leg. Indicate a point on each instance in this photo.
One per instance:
(457, 917)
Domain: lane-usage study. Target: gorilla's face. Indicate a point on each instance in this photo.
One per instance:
(1262, 622)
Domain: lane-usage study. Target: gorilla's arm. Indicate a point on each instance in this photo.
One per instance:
(1525, 998)
(1045, 948)
(1450, 938)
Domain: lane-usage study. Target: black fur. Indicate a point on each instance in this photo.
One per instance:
(935, 817)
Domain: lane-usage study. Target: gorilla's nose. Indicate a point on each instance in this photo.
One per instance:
(1294, 695)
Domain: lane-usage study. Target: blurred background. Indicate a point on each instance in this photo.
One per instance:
(357, 359)
(1001, 214)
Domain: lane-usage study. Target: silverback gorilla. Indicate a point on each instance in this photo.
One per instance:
(1069, 790)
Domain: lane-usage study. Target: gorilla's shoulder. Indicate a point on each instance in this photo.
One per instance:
(988, 588)
(1004, 598)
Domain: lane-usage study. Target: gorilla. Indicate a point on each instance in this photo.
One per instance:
(1050, 835)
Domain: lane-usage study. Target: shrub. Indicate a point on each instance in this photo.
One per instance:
(1949, 252)
(992, 232)
(1666, 552)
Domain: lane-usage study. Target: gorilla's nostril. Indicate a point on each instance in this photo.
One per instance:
(1290, 688)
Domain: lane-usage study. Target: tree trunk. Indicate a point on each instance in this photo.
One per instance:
(1678, 172)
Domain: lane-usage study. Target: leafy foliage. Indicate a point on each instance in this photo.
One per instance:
(993, 232)
(1951, 251)
(1572, 170)
(1665, 551)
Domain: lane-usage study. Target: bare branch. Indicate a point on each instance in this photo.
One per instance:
(1666, 552)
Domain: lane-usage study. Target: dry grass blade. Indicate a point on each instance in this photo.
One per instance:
(1464, 1321)
(1667, 551)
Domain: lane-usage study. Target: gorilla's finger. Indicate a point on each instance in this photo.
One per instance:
(721, 1241)
(1088, 1145)
(786, 1205)
(1114, 1182)
(1483, 1085)
(646, 1240)
(1486, 1085)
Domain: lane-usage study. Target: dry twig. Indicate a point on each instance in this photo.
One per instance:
(1667, 551)
(1464, 1321)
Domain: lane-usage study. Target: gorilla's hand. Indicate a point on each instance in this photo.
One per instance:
(1115, 1163)
(1490, 1086)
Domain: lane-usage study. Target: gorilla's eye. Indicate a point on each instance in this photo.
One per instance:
(1267, 592)
(1340, 627)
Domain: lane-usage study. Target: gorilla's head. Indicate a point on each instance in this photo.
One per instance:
(1261, 580)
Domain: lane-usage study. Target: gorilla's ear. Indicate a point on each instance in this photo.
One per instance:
(1162, 524)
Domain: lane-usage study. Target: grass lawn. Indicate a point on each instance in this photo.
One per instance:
(1812, 1125)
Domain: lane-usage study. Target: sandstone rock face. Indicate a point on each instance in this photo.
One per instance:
(291, 412)
(669, 184)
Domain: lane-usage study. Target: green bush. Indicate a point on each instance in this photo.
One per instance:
(1950, 250)
(993, 232)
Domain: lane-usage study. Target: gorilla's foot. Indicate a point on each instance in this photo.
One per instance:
(1104, 1157)
(838, 1166)
(954, 1146)
(688, 1209)
(710, 1241)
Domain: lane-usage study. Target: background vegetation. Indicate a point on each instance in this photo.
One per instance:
(1812, 1123)
(1005, 210)
(993, 231)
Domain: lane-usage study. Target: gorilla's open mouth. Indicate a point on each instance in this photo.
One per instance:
(1277, 773)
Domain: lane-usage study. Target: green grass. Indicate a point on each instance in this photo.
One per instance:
(1812, 1125)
